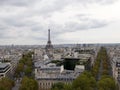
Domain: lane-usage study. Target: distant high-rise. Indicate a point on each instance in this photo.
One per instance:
(49, 44)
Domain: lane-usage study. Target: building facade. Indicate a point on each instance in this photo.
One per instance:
(5, 70)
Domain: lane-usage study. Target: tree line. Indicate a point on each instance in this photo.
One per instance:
(24, 70)
(25, 65)
(102, 57)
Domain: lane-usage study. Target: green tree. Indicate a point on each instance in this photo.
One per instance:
(6, 84)
(61, 86)
(28, 84)
(85, 82)
(19, 69)
(29, 62)
(28, 71)
(106, 83)
(68, 87)
(58, 86)
(25, 65)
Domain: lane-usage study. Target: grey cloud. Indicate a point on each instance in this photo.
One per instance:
(23, 2)
(39, 38)
(15, 2)
(18, 22)
(2, 27)
(37, 28)
(3, 34)
(58, 5)
(83, 2)
(86, 25)
(46, 7)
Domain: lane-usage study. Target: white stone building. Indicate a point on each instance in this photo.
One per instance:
(47, 75)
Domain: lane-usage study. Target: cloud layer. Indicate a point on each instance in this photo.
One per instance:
(27, 21)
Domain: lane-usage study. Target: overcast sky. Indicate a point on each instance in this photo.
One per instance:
(70, 21)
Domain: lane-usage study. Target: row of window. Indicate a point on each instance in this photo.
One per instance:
(59, 79)
(47, 84)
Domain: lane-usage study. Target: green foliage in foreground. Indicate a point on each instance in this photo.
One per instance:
(61, 86)
(85, 82)
(106, 83)
(6, 84)
(28, 84)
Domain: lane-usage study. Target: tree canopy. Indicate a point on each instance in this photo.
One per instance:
(6, 84)
(28, 84)
(85, 82)
(25, 65)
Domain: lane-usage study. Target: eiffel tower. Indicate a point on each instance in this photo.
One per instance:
(49, 44)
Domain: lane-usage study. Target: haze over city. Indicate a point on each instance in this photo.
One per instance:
(79, 21)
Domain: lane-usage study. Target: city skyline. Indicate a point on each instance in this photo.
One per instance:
(26, 22)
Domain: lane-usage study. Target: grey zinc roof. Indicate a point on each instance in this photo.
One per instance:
(3, 65)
